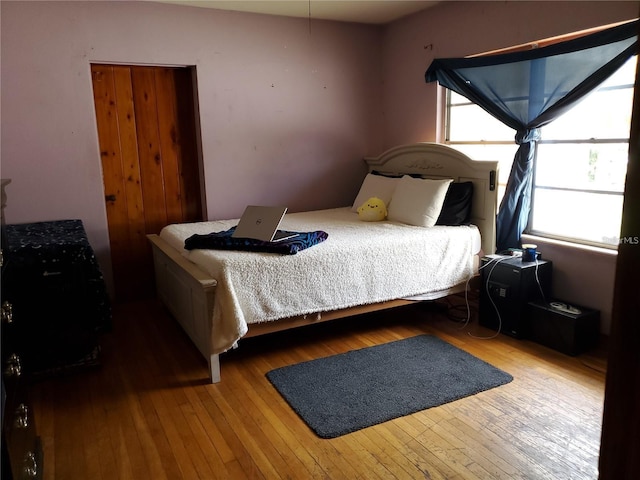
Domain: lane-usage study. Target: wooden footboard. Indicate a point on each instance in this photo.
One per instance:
(188, 294)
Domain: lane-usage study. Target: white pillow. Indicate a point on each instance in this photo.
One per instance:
(418, 201)
(375, 186)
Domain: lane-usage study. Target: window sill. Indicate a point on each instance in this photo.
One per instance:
(537, 240)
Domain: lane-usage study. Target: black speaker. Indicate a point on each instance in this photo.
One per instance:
(508, 285)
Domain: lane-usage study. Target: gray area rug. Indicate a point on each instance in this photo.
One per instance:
(347, 392)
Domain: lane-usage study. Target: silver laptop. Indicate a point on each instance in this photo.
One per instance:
(261, 223)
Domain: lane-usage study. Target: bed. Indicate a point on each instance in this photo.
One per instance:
(222, 296)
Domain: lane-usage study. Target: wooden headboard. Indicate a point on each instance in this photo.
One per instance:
(435, 160)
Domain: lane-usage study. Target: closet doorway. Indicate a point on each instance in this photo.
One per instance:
(151, 163)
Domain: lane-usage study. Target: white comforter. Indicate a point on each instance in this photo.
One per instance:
(359, 263)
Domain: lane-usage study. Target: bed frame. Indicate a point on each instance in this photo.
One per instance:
(188, 292)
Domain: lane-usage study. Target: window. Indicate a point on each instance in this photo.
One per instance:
(580, 163)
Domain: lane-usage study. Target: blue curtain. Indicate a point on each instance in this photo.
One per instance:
(527, 90)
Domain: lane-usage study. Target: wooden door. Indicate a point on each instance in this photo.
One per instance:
(148, 147)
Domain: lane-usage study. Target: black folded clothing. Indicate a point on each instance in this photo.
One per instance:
(224, 241)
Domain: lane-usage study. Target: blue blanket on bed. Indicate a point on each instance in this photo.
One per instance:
(224, 241)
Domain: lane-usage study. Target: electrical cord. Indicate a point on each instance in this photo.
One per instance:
(495, 307)
(544, 298)
(465, 321)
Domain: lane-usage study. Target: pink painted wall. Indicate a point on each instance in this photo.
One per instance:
(287, 107)
(456, 29)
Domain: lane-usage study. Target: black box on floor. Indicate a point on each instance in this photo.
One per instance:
(570, 333)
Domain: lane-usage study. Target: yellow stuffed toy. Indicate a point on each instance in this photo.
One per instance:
(373, 210)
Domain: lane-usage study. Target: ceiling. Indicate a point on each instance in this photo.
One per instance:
(376, 12)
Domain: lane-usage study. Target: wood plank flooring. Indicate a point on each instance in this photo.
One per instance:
(149, 413)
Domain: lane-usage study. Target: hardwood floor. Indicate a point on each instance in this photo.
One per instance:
(148, 412)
